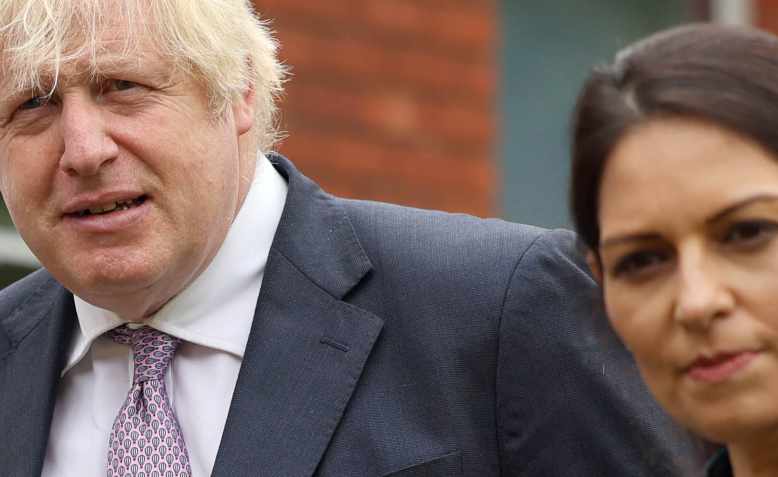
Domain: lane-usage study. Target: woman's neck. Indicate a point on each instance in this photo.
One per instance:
(755, 458)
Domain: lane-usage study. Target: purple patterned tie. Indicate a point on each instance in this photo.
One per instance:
(146, 439)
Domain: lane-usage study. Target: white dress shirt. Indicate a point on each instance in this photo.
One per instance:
(212, 316)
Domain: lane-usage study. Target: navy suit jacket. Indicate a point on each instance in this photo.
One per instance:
(390, 341)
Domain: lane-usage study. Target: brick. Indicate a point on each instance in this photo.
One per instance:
(421, 166)
(365, 62)
(469, 28)
(766, 13)
(395, 112)
(392, 100)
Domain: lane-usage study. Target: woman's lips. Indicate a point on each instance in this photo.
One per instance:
(721, 366)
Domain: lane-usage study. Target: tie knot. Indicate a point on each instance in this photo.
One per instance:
(152, 350)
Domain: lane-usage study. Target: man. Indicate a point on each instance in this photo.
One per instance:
(207, 310)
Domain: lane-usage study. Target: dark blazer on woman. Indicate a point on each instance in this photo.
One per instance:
(720, 466)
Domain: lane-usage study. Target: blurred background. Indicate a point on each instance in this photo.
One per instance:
(460, 105)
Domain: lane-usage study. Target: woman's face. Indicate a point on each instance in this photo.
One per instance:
(689, 247)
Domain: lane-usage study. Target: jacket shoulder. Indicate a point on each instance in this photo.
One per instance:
(425, 230)
(471, 253)
(37, 288)
(15, 294)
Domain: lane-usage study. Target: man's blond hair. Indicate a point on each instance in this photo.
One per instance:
(220, 43)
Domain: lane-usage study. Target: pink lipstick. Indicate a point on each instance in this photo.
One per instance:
(720, 367)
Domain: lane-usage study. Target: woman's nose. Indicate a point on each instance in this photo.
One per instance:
(703, 294)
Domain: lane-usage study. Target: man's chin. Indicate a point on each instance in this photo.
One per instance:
(126, 280)
(104, 285)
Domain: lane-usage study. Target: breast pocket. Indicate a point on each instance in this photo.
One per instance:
(450, 465)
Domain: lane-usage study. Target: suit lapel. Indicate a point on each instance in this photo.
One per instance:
(307, 347)
(39, 331)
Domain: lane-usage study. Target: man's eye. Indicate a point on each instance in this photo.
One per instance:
(749, 232)
(638, 263)
(35, 102)
(121, 85)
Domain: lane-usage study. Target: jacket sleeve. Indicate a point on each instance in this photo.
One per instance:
(570, 401)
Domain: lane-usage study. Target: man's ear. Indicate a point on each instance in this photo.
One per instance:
(595, 266)
(243, 109)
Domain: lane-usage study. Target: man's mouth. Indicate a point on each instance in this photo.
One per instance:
(111, 207)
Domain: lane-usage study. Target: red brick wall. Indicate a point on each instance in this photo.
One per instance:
(392, 100)
(766, 13)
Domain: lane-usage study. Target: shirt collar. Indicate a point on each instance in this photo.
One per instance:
(719, 465)
(216, 310)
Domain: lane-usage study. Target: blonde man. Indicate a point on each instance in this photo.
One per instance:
(204, 309)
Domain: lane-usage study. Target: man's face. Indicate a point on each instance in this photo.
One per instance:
(124, 186)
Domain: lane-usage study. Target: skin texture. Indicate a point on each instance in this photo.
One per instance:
(689, 250)
(137, 130)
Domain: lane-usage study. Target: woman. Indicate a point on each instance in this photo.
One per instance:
(675, 192)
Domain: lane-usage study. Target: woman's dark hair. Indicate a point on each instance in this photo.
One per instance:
(726, 76)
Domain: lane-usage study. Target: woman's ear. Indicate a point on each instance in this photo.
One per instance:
(595, 266)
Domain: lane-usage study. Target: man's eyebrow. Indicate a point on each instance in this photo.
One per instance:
(122, 67)
(764, 197)
(107, 66)
(11, 95)
(116, 63)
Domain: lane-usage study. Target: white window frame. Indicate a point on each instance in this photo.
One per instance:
(733, 12)
(13, 250)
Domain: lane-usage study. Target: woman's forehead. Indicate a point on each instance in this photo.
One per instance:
(680, 169)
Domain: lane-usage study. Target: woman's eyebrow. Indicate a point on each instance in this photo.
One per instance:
(763, 197)
(718, 216)
(627, 238)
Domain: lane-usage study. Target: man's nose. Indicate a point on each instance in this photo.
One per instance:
(88, 146)
(703, 294)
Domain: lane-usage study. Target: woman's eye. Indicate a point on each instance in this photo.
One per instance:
(637, 263)
(750, 232)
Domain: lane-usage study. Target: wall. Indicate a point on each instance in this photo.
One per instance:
(392, 99)
(766, 14)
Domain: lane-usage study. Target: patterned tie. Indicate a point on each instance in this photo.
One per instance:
(146, 439)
